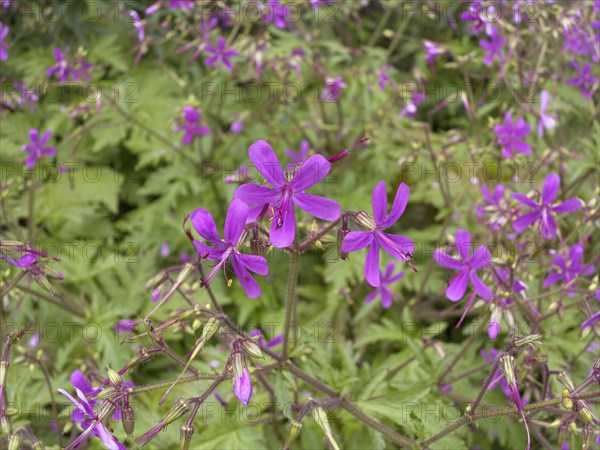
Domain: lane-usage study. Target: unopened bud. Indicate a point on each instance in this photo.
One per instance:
(586, 414)
(563, 430)
(105, 393)
(365, 221)
(211, 327)
(185, 436)
(15, 441)
(507, 362)
(321, 418)
(238, 364)
(156, 281)
(128, 419)
(252, 349)
(522, 341)
(341, 235)
(106, 411)
(566, 381)
(141, 357)
(179, 409)
(114, 377)
(185, 272)
(295, 428)
(566, 400)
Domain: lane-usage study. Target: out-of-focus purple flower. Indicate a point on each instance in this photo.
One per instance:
(383, 76)
(432, 51)
(164, 249)
(333, 89)
(287, 191)
(173, 4)
(125, 325)
(493, 46)
(277, 340)
(184, 257)
(544, 211)
(138, 24)
(3, 44)
(398, 246)
(64, 68)
(27, 97)
(505, 300)
(567, 270)
(546, 120)
(227, 249)
(191, 117)
(511, 135)
(494, 206)
(584, 80)
(579, 41)
(300, 156)
(481, 14)
(467, 268)
(242, 387)
(37, 149)
(276, 13)
(589, 322)
(410, 109)
(6, 4)
(237, 127)
(23, 262)
(383, 290)
(239, 176)
(316, 4)
(220, 53)
(34, 341)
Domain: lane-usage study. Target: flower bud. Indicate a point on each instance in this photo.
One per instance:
(179, 409)
(185, 272)
(365, 221)
(14, 443)
(105, 393)
(3, 368)
(562, 432)
(566, 381)
(128, 419)
(185, 436)
(586, 414)
(522, 341)
(242, 387)
(141, 357)
(321, 418)
(258, 246)
(252, 349)
(295, 428)
(106, 411)
(156, 280)
(211, 327)
(114, 377)
(341, 235)
(566, 400)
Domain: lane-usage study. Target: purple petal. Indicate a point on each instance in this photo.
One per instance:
(372, 265)
(447, 261)
(379, 202)
(552, 279)
(355, 240)
(522, 222)
(313, 170)
(79, 381)
(387, 297)
(109, 441)
(242, 387)
(248, 283)
(398, 207)
(266, 162)
(320, 207)
(587, 323)
(458, 285)
(235, 221)
(463, 243)
(255, 194)
(34, 135)
(481, 257)
(205, 225)
(208, 252)
(571, 204)
(483, 291)
(396, 245)
(549, 226)
(255, 263)
(372, 295)
(524, 199)
(283, 228)
(45, 137)
(551, 184)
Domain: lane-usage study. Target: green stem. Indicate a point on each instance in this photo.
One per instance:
(290, 299)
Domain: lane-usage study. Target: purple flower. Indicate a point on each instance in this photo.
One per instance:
(397, 246)
(383, 76)
(493, 46)
(37, 149)
(276, 13)
(512, 135)
(191, 117)
(27, 97)
(410, 110)
(432, 51)
(494, 206)
(237, 127)
(3, 45)
(580, 41)
(546, 120)
(242, 387)
(287, 191)
(568, 270)
(584, 80)
(498, 377)
(220, 53)
(383, 290)
(65, 69)
(300, 156)
(316, 4)
(228, 249)
(477, 13)
(125, 325)
(23, 262)
(277, 340)
(332, 90)
(503, 304)
(85, 416)
(544, 210)
(591, 320)
(467, 268)
(181, 4)
(138, 24)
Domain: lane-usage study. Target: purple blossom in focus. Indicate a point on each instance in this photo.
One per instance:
(511, 135)
(383, 290)
(544, 211)
(398, 246)
(3, 44)
(287, 191)
(242, 387)
(467, 268)
(222, 250)
(191, 117)
(567, 270)
(37, 148)
(220, 53)
(493, 46)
